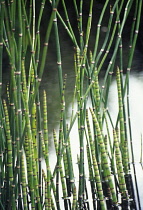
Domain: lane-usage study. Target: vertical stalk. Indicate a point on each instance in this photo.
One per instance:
(23, 183)
(120, 172)
(2, 5)
(47, 151)
(104, 157)
(124, 143)
(9, 167)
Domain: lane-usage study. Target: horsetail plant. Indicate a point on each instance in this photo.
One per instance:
(27, 180)
(123, 143)
(104, 157)
(120, 172)
(96, 168)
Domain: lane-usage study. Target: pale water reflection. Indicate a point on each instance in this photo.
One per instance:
(136, 115)
(136, 109)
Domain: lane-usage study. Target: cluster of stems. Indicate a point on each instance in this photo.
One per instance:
(101, 179)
